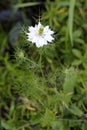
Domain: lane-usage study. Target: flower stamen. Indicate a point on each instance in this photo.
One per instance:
(40, 31)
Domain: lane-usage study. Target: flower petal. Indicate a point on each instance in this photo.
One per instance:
(40, 39)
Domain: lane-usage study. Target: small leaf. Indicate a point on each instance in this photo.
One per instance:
(7, 125)
(77, 53)
(77, 33)
(76, 62)
(76, 111)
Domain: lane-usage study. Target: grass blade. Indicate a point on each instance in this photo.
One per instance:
(22, 5)
(70, 22)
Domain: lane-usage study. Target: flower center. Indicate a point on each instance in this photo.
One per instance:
(40, 31)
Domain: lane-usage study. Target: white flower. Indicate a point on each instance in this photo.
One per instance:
(40, 35)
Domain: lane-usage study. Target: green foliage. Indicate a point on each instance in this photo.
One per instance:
(48, 118)
(46, 88)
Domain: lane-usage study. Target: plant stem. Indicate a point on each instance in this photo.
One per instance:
(40, 61)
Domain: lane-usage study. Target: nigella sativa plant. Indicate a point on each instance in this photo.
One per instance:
(40, 35)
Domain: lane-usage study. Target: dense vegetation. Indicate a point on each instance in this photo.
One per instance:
(44, 88)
